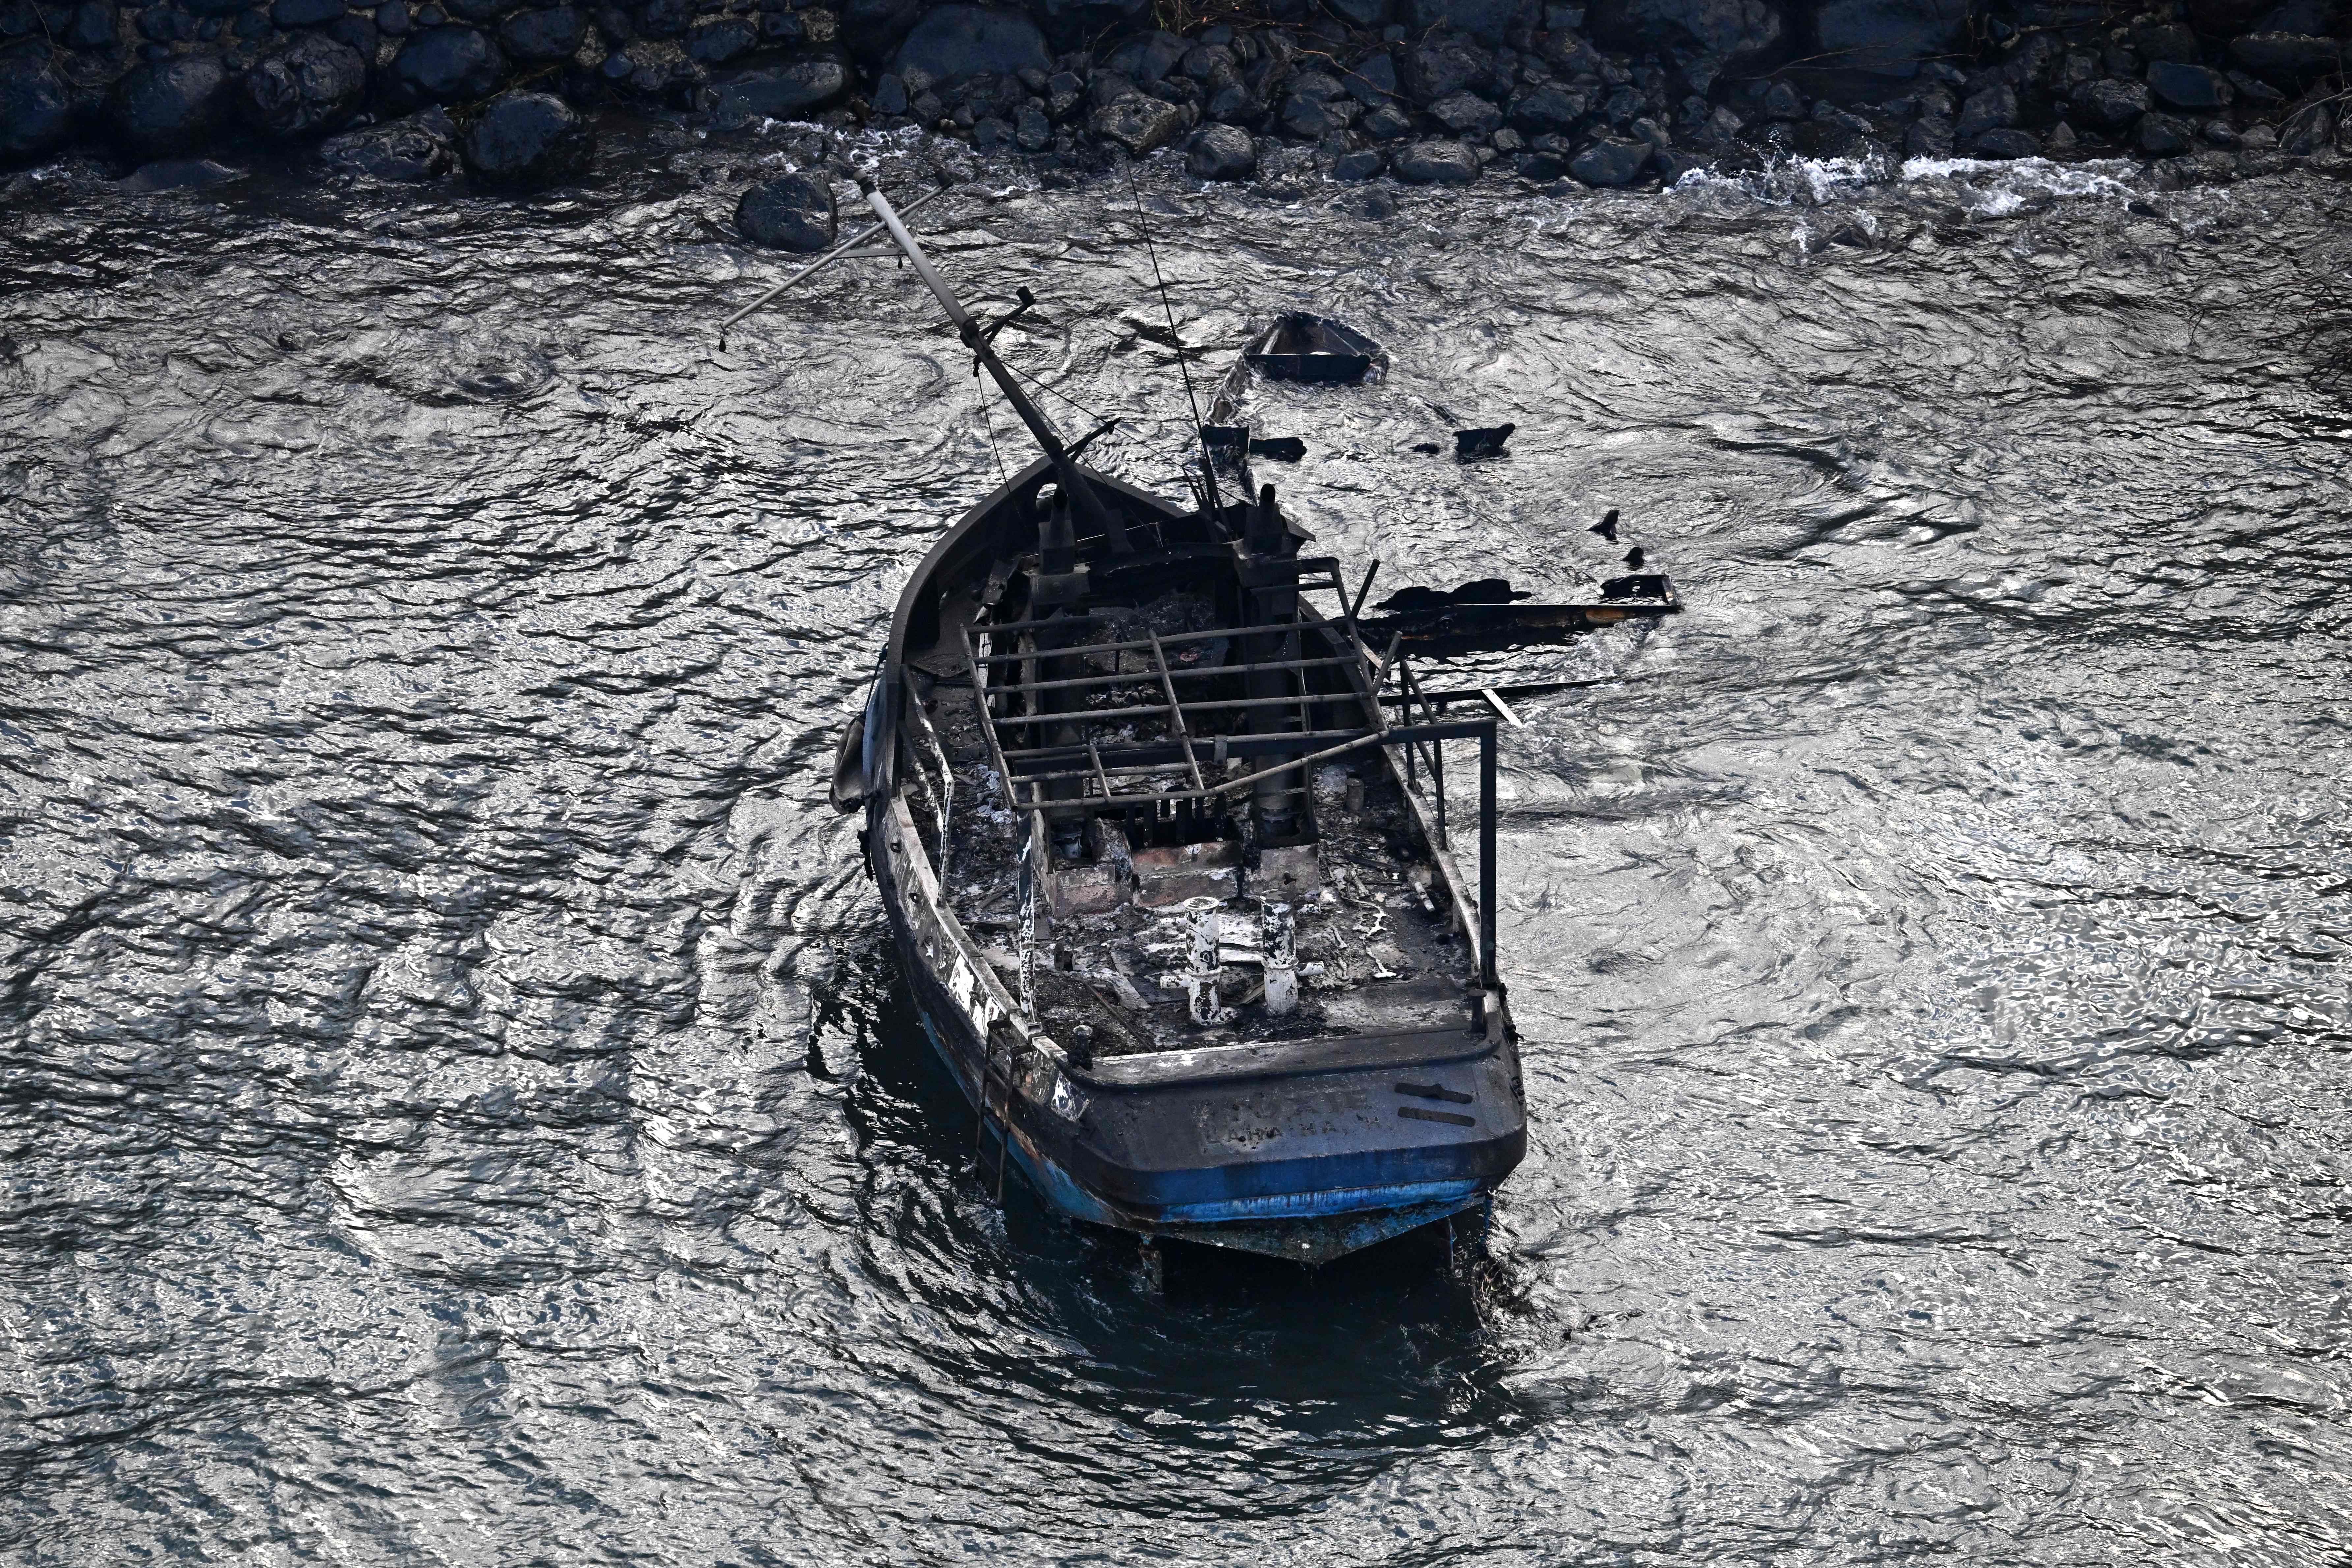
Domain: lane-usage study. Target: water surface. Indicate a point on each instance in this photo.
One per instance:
(461, 1108)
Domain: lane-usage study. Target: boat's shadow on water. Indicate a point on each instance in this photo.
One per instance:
(1395, 1336)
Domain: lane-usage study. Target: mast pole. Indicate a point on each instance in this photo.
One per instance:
(1081, 491)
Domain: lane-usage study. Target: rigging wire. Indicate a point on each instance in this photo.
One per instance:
(1207, 488)
(1126, 430)
(980, 390)
(1052, 391)
(1144, 227)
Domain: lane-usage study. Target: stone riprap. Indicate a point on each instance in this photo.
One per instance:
(1432, 91)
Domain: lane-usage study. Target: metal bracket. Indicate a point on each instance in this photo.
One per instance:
(1083, 442)
(1028, 303)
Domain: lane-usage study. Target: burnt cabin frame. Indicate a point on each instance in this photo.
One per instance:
(1211, 566)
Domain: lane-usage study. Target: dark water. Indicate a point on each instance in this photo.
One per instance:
(460, 1108)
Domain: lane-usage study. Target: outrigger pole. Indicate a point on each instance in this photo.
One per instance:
(822, 262)
(979, 339)
(976, 337)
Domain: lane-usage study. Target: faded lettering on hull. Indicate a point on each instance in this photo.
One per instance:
(1251, 1121)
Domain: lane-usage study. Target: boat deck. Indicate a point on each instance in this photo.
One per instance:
(1376, 952)
(1377, 940)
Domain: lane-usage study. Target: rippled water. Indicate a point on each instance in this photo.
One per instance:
(460, 1107)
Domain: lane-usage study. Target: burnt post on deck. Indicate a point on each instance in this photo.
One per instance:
(1055, 597)
(1270, 585)
(1486, 874)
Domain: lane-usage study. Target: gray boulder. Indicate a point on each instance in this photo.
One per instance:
(448, 63)
(305, 13)
(1385, 123)
(356, 30)
(780, 92)
(1929, 136)
(2006, 142)
(1147, 58)
(1466, 114)
(1315, 108)
(92, 26)
(715, 40)
(663, 18)
(1094, 16)
(544, 37)
(1233, 103)
(2187, 86)
(1488, 21)
(2310, 131)
(2164, 41)
(2112, 102)
(791, 212)
(1138, 123)
(1220, 152)
(956, 42)
(1438, 164)
(1373, 81)
(2253, 89)
(660, 69)
(1551, 110)
(1889, 37)
(170, 105)
(2162, 135)
(873, 28)
(1723, 125)
(403, 152)
(1360, 165)
(528, 138)
(1989, 109)
(2287, 59)
(1609, 161)
(310, 85)
(1443, 65)
(1703, 37)
(34, 114)
(1210, 62)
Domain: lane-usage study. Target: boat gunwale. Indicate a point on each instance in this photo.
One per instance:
(1190, 1065)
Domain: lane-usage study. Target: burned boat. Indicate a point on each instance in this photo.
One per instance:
(1166, 849)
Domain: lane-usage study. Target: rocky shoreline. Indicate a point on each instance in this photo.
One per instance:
(1616, 93)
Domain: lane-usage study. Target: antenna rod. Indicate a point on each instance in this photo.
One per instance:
(1208, 466)
(1074, 483)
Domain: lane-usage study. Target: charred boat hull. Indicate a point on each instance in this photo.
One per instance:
(1173, 885)
(1291, 1159)
(1308, 1141)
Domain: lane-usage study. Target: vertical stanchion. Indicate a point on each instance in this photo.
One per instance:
(1486, 880)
